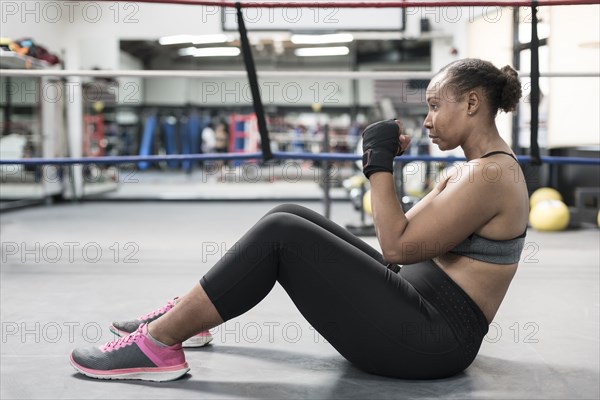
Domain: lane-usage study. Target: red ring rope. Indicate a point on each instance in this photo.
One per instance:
(362, 4)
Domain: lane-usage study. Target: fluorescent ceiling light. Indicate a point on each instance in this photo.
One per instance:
(322, 51)
(195, 39)
(217, 52)
(210, 51)
(321, 39)
(176, 39)
(188, 51)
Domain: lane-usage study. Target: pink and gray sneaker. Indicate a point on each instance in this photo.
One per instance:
(135, 356)
(124, 328)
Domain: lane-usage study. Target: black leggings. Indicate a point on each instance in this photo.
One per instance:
(414, 324)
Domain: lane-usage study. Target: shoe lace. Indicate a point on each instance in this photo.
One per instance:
(124, 341)
(160, 311)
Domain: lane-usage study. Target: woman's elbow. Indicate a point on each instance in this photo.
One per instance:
(404, 253)
(393, 256)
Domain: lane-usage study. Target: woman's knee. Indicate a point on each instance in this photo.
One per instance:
(281, 221)
(288, 208)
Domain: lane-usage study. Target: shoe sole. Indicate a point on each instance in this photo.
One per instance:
(194, 341)
(157, 374)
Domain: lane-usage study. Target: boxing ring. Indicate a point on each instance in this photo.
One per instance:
(69, 269)
(253, 74)
(326, 158)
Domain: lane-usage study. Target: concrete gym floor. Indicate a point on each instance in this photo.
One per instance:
(68, 270)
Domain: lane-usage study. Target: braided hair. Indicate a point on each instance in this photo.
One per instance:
(501, 87)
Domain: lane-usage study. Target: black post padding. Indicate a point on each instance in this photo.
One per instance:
(535, 86)
(265, 142)
(516, 147)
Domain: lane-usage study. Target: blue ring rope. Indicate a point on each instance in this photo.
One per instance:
(276, 155)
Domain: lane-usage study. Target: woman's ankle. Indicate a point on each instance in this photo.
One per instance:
(159, 336)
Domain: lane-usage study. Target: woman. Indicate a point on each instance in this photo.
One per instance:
(460, 247)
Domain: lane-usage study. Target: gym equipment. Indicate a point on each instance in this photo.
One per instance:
(254, 88)
(185, 143)
(250, 72)
(415, 178)
(280, 155)
(147, 139)
(545, 193)
(549, 215)
(375, 4)
(168, 128)
(93, 135)
(587, 204)
(194, 134)
(367, 202)
(354, 182)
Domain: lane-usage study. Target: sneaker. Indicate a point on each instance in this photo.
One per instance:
(135, 356)
(124, 328)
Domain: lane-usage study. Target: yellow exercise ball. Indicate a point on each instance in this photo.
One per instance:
(545, 193)
(367, 202)
(549, 215)
(355, 182)
(414, 178)
(598, 219)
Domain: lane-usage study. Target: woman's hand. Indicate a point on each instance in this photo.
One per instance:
(382, 141)
(404, 138)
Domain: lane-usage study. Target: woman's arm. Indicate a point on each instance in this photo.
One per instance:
(455, 209)
(388, 217)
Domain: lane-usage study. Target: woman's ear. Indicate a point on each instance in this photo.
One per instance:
(473, 102)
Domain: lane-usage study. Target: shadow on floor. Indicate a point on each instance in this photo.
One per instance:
(488, 377)
(346, 381)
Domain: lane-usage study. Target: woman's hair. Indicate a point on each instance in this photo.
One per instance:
(501, 87)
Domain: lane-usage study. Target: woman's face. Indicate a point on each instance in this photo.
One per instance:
(447, 113)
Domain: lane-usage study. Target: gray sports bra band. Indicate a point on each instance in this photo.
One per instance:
(492, 251)
(489, 250)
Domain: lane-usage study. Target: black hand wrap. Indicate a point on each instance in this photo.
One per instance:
(381, 143)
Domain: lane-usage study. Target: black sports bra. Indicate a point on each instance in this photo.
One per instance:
(493, 153)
